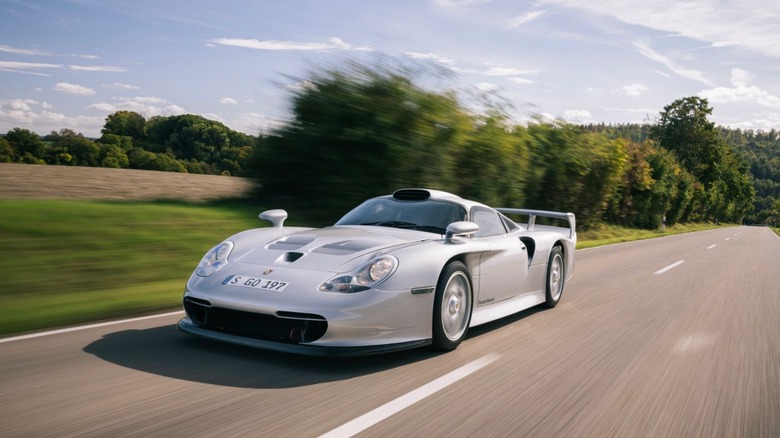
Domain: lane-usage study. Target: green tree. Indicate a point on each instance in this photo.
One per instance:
(125, 123)
(358, 133)
(684, 129)
(573, 170)
(113, 156)
(28, 146)
(143, 159)
(67, 143)
(492, 150)
(6, 151)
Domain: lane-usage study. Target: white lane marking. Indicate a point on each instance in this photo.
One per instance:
(673, 265)
(369, 419)
(728, 238)
(693, 342)
(85, 327)
(711, 246)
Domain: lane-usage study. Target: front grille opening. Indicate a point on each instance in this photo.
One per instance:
(196, 309)
(266, 327)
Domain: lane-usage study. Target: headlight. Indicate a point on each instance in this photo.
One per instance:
(214, 259)
(369, 275)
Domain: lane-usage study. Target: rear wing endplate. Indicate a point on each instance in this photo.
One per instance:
(551, 214)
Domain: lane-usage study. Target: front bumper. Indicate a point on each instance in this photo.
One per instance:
(186, 325)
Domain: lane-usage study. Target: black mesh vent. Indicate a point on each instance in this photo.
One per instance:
(257, 325)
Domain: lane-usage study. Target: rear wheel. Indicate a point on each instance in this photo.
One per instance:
(555, 276)
(452, 307)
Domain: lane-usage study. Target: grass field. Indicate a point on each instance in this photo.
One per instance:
(69, 262)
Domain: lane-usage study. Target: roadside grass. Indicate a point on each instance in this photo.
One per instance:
(610, 234)
(68, 262)
(71, 262)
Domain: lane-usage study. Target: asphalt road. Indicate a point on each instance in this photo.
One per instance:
(631, 351)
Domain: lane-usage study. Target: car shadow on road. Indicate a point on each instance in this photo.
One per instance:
(164, 351)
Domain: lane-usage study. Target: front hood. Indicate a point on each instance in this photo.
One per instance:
(337, 249)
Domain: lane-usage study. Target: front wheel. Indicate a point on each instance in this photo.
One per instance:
(555, 277)
(452, 307)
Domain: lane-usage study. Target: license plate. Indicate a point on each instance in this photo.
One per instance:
(257, 283)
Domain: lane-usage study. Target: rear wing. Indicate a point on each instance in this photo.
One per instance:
(551, 214)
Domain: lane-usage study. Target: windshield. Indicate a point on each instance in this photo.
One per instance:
(429, 215)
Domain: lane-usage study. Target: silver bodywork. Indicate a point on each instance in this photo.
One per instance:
(508, 273)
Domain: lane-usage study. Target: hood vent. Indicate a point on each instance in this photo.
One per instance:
(288, 243)
(290, 257)
(346, 247)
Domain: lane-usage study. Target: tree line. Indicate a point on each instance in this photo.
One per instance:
(360, 131)
(185, 143)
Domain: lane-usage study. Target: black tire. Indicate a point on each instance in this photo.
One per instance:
(452, 307)
(556, 276)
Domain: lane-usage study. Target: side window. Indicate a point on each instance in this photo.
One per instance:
(489, 222)
(508, 223)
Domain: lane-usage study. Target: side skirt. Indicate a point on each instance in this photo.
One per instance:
(485, 314)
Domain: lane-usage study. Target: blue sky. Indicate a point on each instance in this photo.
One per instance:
(68, 64)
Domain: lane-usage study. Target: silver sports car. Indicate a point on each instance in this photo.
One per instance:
(418, 267)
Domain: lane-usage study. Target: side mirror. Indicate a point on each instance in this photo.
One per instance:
(276, 217)
(458, 229)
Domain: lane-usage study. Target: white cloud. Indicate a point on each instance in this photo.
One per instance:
(520, 81)
(144, 99)
(751, 24)
(37, 52)
(741, 91)
(649, 53)
(33, 115)
(103, 106)
(145, 105)
(766, 123)
(301, 86)
(18, 51)
(122, 86)
(577, 115)
(332, 44)
(104, 68)
(740, 78)
(228, 101)
(430, 57)
(31, 67)
(635, 89)
(487, 87)
(503, 71)
(458, 3)
(254, 123)
(525, 18)
(68, 88)
(26, 67)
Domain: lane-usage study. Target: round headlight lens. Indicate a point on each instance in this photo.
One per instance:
(368, 276)
(214, 259)
(380, 268)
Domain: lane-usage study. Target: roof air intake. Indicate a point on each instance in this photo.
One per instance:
(412, 194)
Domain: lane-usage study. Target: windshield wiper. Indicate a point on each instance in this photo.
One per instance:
(394, 224)
(407, 226)
(431, 229)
